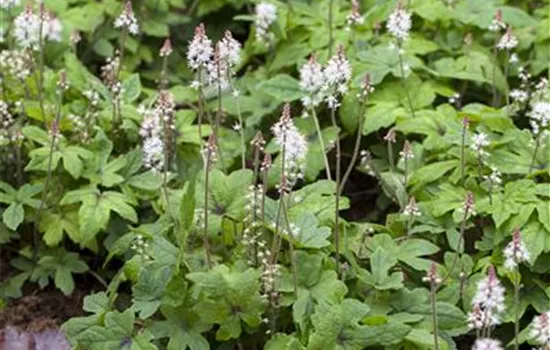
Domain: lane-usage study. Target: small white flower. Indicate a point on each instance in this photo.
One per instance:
(497, 24)
(454, 98)
(540, 329)
(200, 51)
(153, 153)
(354, 18)
(514, 59)
(479, 142)
(508, 41)
(411, 209)
(518, 95)
(495, 178)
(237, 127)
(127, 20)
(399, 23)
(407, 152)
(539, 116)
(487, 344)
(27, 29)
(515, 252)
(266, 14)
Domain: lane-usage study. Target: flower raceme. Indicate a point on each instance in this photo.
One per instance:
(487, 344)
(200, 51)
(27, 29)
(487, 303)
(127, 20)
(266, 14)
(540, 330)
(292, 143)
(399, 23)
(515, 252)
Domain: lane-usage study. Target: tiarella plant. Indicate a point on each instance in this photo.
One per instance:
(274, 175)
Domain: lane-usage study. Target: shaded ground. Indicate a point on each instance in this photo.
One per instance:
(43, 310)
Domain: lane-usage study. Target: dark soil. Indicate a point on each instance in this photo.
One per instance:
(43, 310)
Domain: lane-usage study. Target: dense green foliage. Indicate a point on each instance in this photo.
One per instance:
(80, 209)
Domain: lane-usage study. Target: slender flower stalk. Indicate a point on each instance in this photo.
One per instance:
(209, 155)
(516, 253)
(62, 86)
(366, 89)
(496, 26)
(467, 210)
(407, 154)
(312, 82)
(434, 280)
(465, 125)
(411, 211)
(330, 24)
(165, 52)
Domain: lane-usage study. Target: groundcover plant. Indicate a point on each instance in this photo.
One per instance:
(301, 174)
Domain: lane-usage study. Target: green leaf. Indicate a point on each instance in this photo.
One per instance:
(432, 172)
(187, 205)
(282, 87)
(309, 235)
(13, 216)
(131, 88)
(381, 115)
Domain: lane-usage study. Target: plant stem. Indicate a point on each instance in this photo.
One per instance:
(517, 287)
(337, 190)
(404, 82)
(435, 326)
(201, 101)
(534, 159)
(116, 99)
(330, 20)
(235, 94)
(463, 155)
(406, 175)
(458, 246)
(495, 63)
(205, 235)
(390, 156)
(55, 131)
(321, 143)
(357, 145)
(506, 65)
(40, 83)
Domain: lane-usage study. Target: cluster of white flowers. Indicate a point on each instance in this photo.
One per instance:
(399, 23)
(252, 234)
(312, 82)
(292, 144)
(497, 24)
(479, 142)
(141, 247)
(366, 158)
(15, 63)
(540, 330)
(229, 50)
(454, 99)
(354, 18)
(266, 14)
(200, 50)
(6, 4)
(518, 95)
(487, 344)
(407, 152)
(156, 130)
(52, 27)
(27, 29)
(6, 122)
(508, 41)
(515, 252)
(109, 71)
(127, 20)
(495, 178)
(539, 116)
(488, 302)
(337, 75)
(411, 209)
